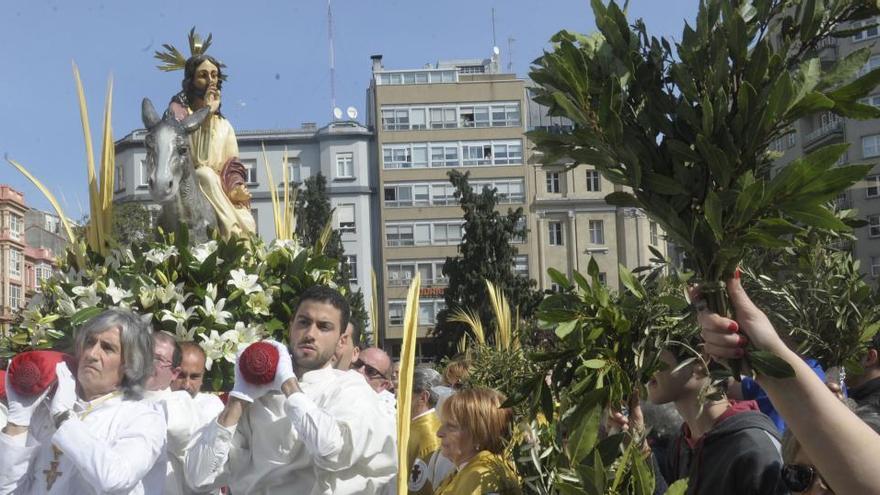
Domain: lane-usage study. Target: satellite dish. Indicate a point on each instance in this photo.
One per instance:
(496, 50)
(352, 113)
(337, 112)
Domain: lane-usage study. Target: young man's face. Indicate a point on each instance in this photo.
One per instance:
(314, 334)
(666, 386)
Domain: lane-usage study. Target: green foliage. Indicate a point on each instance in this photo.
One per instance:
(607, 345)
(313, 213)
(486, 252)
(687, 130)
(131, 223)
(813, 290)
(221, 294)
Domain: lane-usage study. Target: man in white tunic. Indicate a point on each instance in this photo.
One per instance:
(94, 435)
(180, 410)
(315, 430)
(191, 378)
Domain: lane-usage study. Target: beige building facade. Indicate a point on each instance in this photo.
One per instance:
(813, 132)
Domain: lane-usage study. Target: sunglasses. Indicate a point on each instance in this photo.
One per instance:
(800, 477)
(371, 372)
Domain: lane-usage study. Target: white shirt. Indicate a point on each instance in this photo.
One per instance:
(390, 402)
(334, 438)
(107, 445)
(209, 406)
(3, 414)
(183, 417)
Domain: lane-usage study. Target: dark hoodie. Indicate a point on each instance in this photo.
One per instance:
(867, 393)
(740, 455)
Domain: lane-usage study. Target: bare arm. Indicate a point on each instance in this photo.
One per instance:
(844, 449)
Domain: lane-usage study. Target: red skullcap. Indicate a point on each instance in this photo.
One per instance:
(32, 372)
(258, 363)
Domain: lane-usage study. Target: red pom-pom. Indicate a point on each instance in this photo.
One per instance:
(31, 373)
(258, 363)
(3, 385)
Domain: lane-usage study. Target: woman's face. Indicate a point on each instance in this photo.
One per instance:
(455, 442)
(818, 485)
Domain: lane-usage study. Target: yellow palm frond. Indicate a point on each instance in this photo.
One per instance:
(404, 389)
(462, 346)
(472, 320)
(504, 322)
(374, 303)
(324, 238)
(68, 229)
(282, 207)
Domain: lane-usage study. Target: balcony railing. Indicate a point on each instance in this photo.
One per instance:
(829, 128)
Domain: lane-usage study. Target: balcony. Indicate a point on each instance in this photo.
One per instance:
(826, 50)
(825, 134)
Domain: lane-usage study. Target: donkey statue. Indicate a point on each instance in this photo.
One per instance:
(172, 177)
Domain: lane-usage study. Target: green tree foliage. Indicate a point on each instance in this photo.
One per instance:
(313, 213)
(813, 291)
(687, 129)
(486, 252)
(131, 223)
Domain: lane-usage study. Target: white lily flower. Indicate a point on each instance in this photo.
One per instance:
(166, 294)
(66, 305)
(243, 281)
(259, 302)
(117, 294)
(211, 291)
(158, 256)
(215, 310)
(88, 295)
(180, 315)
(202, 251)
(147, 297)
(214, 348)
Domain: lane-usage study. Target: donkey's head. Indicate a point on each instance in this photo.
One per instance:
(167, 149)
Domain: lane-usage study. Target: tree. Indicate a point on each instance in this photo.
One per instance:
(313, 213)
(487, 252)
(131, 223)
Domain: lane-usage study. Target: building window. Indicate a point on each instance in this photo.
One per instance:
(143, 175)
(472, 115)
(603, 278)
(428, 310)
(120, 179)
(652, 231)
(296, 171)
(555, 233)
(594, 182)
(508, 154)
(443, 118)
(871, 64)
(401, 273)
(873, 186)
(351, 262)
(874, 225)
(871, 146)
(250, 169)
(16, 226)
(553, 182)
(43, 271)
(435, 233)
(875, 266)
(476, 154)
(867, 34)
(397, 156)
(15, 299)
(597, 231)
(873, 100)
(395, 119)
(345, 165)
(444, 155)
(466, 153)
(521, 265)
(395, 312)
(15, 259)
(346, 218)
(399, 235)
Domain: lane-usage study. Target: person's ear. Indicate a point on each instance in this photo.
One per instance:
(175, 372)
(873, 358)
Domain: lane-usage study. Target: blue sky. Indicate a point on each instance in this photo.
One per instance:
(276, 53)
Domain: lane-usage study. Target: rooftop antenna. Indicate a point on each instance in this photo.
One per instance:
(493, 27)
(510, 40)
(332, 58)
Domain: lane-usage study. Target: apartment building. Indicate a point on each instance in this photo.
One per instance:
(813, 132)
(573, 223)
(456, 114)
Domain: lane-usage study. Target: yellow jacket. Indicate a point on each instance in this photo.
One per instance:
(486, 473)
(423, 443)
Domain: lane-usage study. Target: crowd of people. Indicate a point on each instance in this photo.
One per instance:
(132, 416)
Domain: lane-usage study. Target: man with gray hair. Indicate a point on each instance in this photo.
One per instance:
(427, 466)
(94, 434)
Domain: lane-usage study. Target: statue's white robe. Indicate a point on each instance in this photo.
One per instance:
(110, 445)
(334, 438)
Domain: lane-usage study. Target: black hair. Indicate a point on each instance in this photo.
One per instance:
(324, 294)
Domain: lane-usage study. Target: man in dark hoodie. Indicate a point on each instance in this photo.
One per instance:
(864, 388)
(724, 447)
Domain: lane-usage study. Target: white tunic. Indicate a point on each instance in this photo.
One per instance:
(184, 416)
(109, 445)
(334, 438)
(3, 414)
